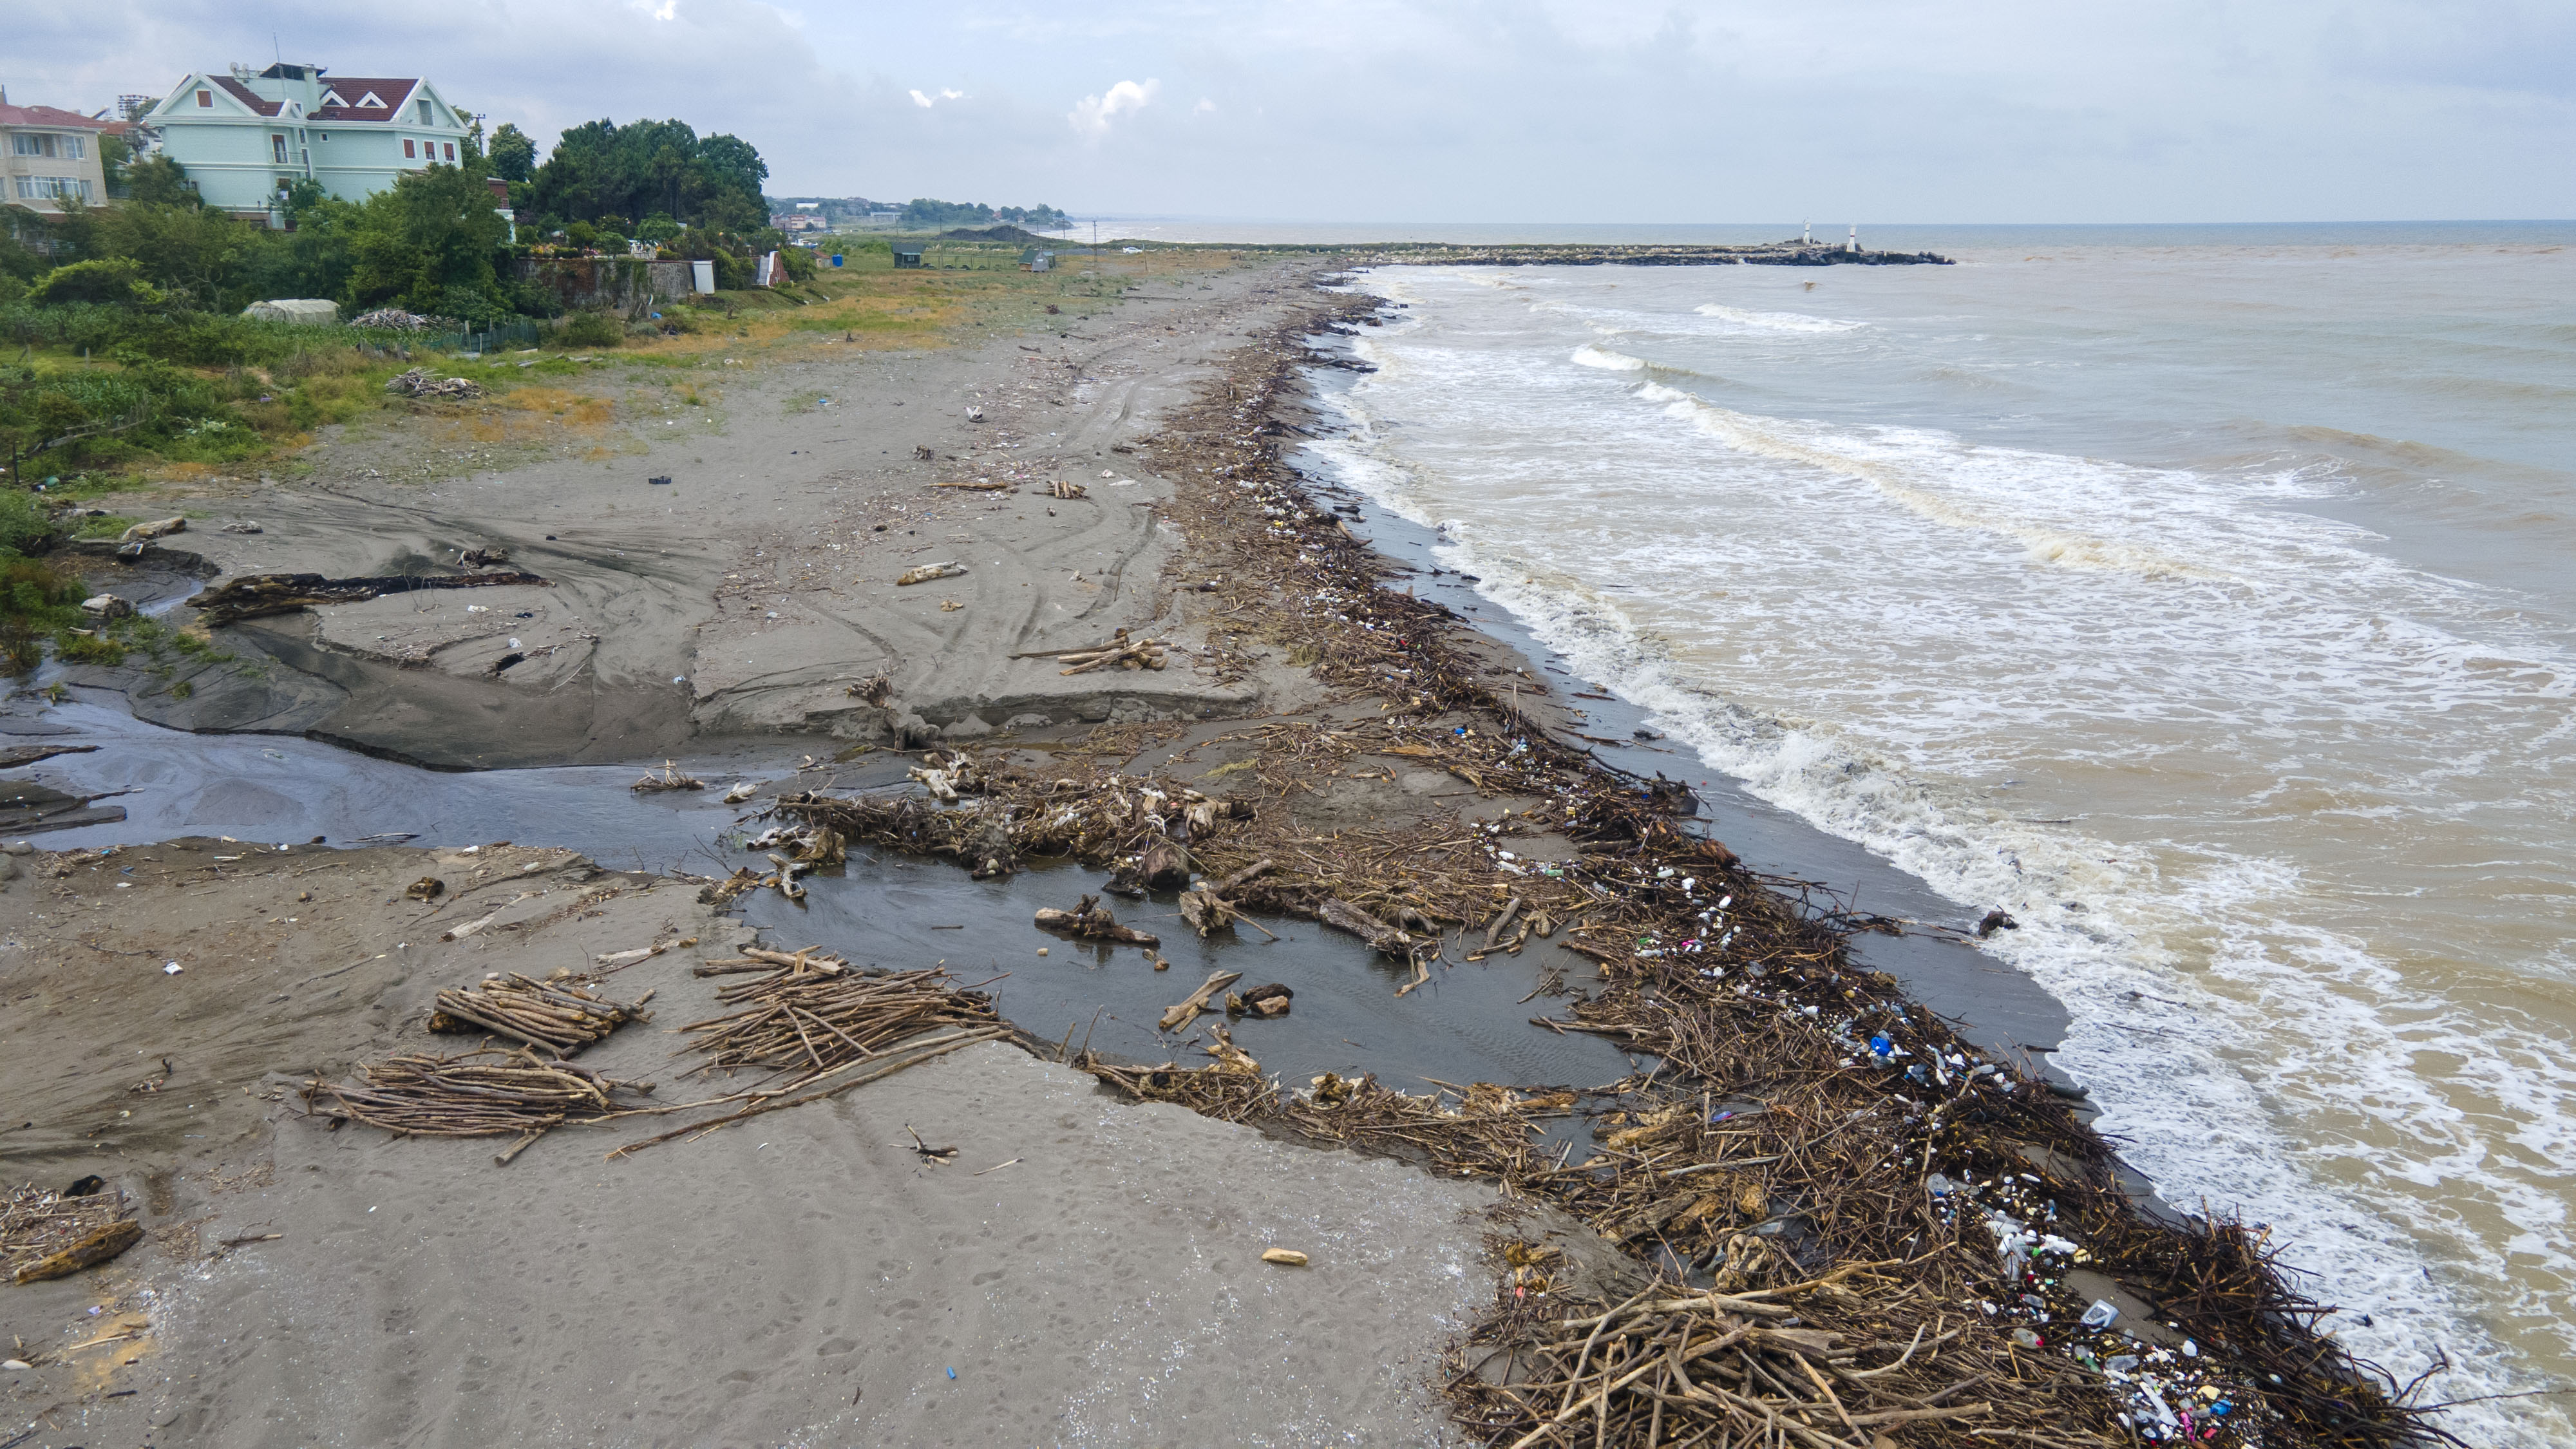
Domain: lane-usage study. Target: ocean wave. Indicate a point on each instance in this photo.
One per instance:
(1602, 357)
(1776, 321)
(1793, 443)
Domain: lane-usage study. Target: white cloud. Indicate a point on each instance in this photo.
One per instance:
(1203, 107)
(1093, 115)
(926, 102)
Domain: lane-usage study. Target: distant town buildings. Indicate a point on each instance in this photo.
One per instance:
(48, 155)
(243, 138)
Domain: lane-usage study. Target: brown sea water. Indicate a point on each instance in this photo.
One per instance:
(2206, 598)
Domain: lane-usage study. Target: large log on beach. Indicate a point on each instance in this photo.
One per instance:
(254, 595)
(1382, 937)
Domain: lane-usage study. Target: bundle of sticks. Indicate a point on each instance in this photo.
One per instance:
(1682, 1367)
(808, 1023)
(558, 1017)
(486, 1093)
(1062, 489)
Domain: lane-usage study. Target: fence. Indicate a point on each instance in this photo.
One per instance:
(487, 339)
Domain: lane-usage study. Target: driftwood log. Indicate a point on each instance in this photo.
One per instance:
(1383, 938)
(94, 1247)
(1182, 1012)
(254, 595)
(1092, 922)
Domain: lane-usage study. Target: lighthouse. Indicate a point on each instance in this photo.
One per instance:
(1854, 244)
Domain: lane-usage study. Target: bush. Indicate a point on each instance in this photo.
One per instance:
(592, 329)
(116, 280)
(35, 601)
(24, 526)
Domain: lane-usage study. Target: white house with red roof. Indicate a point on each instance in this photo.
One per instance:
(48, 155)
(244, 138)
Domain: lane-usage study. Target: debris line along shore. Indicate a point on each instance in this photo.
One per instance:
(1846, 1226)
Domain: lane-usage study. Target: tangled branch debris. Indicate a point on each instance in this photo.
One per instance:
(421, 382)
(669, 779)
(253, 596)
(48, 1234)
(816, 1018)
(561, 1018)
(486, 1093)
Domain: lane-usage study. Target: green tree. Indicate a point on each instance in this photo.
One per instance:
(429, 243)
(198, 255)
(601, 169)
(513, 155)
(160, 181)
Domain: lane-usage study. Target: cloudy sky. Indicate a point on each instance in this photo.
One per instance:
(1524, 110)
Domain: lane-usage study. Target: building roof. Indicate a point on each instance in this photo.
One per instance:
(52, 116)
(247, 96)
(363, 98)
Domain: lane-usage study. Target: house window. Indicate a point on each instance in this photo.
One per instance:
(326, 135)
(71, 148)
(424, 111)
(205, 98)
(46, 188)
(277, 144)
(450, 149)
(27, 143)
(407, 151)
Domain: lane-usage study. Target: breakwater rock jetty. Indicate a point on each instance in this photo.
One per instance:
(1771, 254)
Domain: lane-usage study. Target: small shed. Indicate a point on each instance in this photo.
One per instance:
(907, 256)
(303, 311)
(1037, 261)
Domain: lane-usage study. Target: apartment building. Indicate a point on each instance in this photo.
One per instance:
(47, 154)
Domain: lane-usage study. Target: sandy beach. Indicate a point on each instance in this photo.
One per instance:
(1086, 1267)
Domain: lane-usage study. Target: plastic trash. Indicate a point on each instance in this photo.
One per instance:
(2101, 1314)
(1880, 1046)
(2123, 1363)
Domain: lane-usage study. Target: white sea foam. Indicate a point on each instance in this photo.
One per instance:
(1775, 321)
(1904, 466)
(1602, 357)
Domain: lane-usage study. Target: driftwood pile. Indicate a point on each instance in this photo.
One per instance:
(421, 382)
(1748, 1367)
(559, 1017)
(819, 1016)
(1062, 489)
(487, 1093)
(816, 1020)
(252, 596)
(48, 1234)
